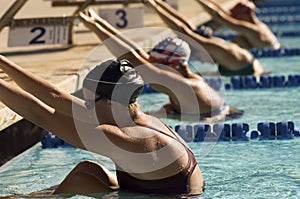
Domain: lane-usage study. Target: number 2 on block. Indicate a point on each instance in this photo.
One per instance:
(37, 39)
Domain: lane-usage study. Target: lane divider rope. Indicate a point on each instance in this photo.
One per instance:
(231, 35)
(237, 132)
(212, 133)
(246, 82)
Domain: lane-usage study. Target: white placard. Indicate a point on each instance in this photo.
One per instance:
(38, 35)
(123, 18)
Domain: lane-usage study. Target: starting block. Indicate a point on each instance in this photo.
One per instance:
(37, 31)
(55, 3)
(59, 30)
(123, 17)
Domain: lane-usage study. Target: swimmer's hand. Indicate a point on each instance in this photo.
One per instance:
(3, 61)
(90, 16)
(93, 15)
(88, 21)
(234, 113)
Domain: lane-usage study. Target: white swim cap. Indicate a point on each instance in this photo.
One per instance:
(171, 50)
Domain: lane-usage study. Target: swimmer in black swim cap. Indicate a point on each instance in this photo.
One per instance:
(145, 151)
(114, 80)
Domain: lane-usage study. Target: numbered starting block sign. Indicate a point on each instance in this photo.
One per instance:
(123, 18)
(40, 31)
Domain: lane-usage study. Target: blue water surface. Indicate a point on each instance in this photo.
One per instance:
(254, 169)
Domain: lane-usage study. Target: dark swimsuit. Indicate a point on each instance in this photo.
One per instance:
(204, 31)
(246, 70)
(177, 184)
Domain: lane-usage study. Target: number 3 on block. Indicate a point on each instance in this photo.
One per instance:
(121, 18)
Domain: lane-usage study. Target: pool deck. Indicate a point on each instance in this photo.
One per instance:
(63, 65)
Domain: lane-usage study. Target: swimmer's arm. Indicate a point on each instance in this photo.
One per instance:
(83, 135)
(171, 11)
(162, 79)
(116, 46)
(42, 89)
(169, 20)
(39, 113)
(102, 22)
(149, 72)
(211, 7)
(176, 25)
(220, 16)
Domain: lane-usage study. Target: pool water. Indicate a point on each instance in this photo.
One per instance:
(254, 169)
(243, 169)
(260, 105)
(251, 169)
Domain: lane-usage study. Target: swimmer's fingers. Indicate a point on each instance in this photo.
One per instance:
(85, 18)
(82, 16)
(4, 62)
(93, 15)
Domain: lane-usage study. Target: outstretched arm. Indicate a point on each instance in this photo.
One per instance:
(116, 46)
(220, 16)
(168, 18)
(85, 135)
(160, 79)
(176, 25)
(45, 91)
(102, 22)
(171, 11)
(39, 113)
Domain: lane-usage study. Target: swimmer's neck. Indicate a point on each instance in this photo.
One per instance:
(113, 113)
(184, 70)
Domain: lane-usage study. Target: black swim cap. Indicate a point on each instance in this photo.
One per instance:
(115, 80)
